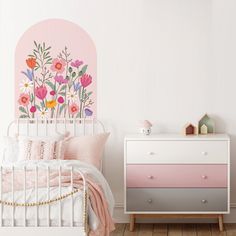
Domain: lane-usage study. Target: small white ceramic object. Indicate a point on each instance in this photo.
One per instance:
(145, 127)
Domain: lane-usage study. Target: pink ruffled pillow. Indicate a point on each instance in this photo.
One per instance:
(86, 148)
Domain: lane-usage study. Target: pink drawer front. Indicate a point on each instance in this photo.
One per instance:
(179, 176)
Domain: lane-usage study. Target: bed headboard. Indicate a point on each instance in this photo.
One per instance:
(49, 127)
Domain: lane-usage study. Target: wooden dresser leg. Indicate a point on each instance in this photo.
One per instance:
(221, 226)
(131, 223)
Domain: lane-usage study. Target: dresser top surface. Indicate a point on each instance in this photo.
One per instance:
(177, 137)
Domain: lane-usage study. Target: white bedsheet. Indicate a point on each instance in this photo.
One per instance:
(66, 204)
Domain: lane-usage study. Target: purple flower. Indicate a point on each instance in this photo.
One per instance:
(76, 86)
(88, 112)
(76, 63)
(60, 79)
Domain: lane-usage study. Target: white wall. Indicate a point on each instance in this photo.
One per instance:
(169, 61)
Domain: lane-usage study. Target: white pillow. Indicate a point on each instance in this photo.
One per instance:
(11, 145)
(46, 149)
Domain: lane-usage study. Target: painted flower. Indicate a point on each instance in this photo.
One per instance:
(60, 79)
(33, 109)
(41, 92)
(86, 80)
(31, 62)
(73, 109)
(58, 65)
(52, 93)
(76, 63)
(51, 104)
(60, 100)
(29, 74)
(72, 96)
(88, 112)
(76, 86)
(43, 113)
(24, 99)
(26, 86)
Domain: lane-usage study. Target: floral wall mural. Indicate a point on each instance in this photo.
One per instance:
(55, 72)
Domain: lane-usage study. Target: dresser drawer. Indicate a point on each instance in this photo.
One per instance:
(179, 200)
(178, 176)
(176, 152)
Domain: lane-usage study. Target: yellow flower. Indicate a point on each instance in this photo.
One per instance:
(51, 104)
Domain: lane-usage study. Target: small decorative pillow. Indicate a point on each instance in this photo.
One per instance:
(86, 148)
(11, 144)
(40, 149)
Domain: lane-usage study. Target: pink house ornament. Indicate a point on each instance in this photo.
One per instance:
(145, 127)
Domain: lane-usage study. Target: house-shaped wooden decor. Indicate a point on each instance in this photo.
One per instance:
(190, 129)
(206, 125)
(203, 129)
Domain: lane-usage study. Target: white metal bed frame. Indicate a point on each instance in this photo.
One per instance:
(60, 230)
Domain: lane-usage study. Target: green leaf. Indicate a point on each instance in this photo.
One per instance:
(89, 93)
(63, 87)
(73, 74)
(51, 85)
(35, 44)
(83, 70)
(38, 107)
(22, 109)
(24, 116)
(48, 48)
(42, 104)
(31, 97)
(62, 94)
(70, 69)
(62, 108)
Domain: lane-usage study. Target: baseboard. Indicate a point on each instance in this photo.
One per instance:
(120, 217)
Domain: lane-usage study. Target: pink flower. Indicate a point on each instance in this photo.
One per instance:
(58, 65)
(41, 92)
(73, 109)
(60, 100)
(52, 93)
(77, 63)
(86, 80)
(33, 109)
(60, 79)
(24, 99)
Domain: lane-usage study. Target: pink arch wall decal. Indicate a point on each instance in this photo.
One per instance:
(55, 72)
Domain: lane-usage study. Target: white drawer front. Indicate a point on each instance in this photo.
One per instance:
(151, 152)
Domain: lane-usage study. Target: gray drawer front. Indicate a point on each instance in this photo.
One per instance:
(176, 199)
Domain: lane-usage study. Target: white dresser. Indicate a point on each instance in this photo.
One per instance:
(177, 176)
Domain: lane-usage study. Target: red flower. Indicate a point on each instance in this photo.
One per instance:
(73, 108)
(86, 80)
(60, 100)
(33, 109)
(41, 92)
(31, 62)
(24, 99)
(52, 93)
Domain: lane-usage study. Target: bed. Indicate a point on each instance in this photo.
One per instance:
(53, 195)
